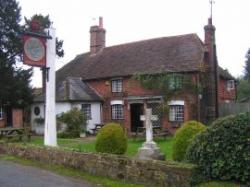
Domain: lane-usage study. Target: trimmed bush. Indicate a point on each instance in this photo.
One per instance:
(183, 138)
(223, 150)
(75, 121)
(111, 139)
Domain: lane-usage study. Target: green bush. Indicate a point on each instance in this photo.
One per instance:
(223, 150)
(75, 121)
(183, 138)
(68, 134)
(111, 139)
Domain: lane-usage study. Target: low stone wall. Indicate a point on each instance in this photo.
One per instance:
(151, 173)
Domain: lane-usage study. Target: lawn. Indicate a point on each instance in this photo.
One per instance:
(88, 145)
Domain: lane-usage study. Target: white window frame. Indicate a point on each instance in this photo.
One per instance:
(230, 85)
(176, 113)
(117, 111)
(174, 108)
(86, 109)
(116, 85)
(1, 113)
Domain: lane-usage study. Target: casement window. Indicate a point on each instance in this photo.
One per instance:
(230, 85)
(175, 82)
(1, 113)
(117, 111)
(176, 113)
(86, 109)
(116, 85)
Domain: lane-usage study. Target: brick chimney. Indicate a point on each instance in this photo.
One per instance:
(211, 76)
(209, 32)
(97, 37)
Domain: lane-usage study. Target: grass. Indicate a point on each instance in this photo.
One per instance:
(88, 145)
(104, 181)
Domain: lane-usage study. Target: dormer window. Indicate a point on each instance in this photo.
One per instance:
(230, 85)
(116, 85)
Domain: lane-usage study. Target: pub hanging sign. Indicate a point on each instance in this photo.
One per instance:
(34, 51)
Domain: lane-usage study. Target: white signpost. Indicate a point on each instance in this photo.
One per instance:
(149, 149)
(50, 135)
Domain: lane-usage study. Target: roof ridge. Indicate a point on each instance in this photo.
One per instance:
(151, 39)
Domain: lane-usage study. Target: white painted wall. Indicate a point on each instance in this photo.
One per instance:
(95, 114)
(64, 107)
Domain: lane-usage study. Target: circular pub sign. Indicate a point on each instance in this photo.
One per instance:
(34, 51)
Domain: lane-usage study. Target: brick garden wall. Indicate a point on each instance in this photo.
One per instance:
(150, 173)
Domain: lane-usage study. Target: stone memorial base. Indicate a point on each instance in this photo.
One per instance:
(150, 151)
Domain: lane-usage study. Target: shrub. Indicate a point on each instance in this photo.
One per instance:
(183, 138)
(70, 134)
(75, 121)
(111, 139)
(223, 150)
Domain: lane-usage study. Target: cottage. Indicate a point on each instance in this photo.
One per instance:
(108, 71)
(70, 93)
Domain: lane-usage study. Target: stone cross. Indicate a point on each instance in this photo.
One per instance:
(148, 118)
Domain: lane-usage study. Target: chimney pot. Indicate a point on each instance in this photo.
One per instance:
(100, 22)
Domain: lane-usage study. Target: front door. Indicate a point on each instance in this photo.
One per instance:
(9, 116)
(136, 110)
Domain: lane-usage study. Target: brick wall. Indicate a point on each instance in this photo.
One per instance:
(133, 88)
(2, 123)
(225, 94)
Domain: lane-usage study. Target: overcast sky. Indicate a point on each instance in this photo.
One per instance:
(134, 20)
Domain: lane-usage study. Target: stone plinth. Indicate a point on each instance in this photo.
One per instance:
(150, 151)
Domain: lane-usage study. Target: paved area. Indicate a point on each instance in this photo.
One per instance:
(16, 175)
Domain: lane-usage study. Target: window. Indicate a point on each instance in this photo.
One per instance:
(230, 85)
(117, 85)
(117, 111)
(176, 113)
(1, 113)
(175, 82)
(36, 110)
(86, 108)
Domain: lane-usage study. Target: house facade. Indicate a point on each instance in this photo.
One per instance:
(109, 72)
(70, 93)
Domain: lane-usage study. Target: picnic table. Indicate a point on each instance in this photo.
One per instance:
(11, 133)
(97, 128)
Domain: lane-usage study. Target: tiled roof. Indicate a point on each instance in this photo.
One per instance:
(169, 54)
(70, 90)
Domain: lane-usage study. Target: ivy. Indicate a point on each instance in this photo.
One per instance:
(169, 84)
